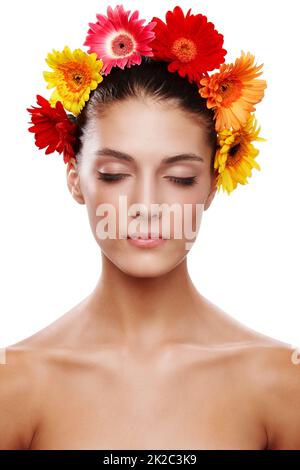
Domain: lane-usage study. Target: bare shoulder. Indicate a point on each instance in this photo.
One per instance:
(279, 376)
(271, 371)
(25, 370)
(270, 368)
(19, 375)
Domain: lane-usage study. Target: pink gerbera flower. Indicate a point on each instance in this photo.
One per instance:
(118, 39)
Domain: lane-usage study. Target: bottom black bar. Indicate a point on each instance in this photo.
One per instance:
(132, 458)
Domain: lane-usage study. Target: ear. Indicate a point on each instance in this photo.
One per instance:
(73, 181)
(212, 192)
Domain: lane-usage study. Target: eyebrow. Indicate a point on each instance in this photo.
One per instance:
(106, 151)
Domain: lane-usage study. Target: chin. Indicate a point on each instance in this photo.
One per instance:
(143, 264)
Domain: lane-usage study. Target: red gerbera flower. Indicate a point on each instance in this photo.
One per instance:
(191, 44)
(119, 39)
(53, 128)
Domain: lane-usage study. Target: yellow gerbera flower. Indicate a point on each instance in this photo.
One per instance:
(236, 155)
(75, 75)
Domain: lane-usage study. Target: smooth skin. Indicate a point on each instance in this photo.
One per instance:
(145, 361)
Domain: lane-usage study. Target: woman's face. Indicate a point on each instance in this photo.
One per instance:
(126, 160)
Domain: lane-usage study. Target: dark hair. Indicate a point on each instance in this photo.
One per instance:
(150, 78)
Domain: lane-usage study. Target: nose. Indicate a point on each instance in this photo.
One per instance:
(145, 199)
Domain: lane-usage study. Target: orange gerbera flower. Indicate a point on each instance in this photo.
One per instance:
(233, 92)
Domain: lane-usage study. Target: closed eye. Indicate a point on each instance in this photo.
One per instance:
(190, 180)
(111, 177)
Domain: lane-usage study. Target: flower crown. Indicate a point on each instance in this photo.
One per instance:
(191, 47)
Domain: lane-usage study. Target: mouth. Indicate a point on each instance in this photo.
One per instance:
(146, 236)
(146, 240)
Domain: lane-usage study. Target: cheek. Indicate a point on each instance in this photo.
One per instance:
(192, 202)
(102, 203)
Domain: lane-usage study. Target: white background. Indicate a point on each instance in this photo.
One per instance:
(246, 259)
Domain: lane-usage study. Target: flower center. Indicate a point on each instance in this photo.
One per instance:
(184, 49)
(230, 91)
(75, 77)
(122, 45)
(234, 153)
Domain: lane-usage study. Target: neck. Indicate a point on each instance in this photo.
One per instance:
(146, 311)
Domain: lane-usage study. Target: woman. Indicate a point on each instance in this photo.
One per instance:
(145, 361)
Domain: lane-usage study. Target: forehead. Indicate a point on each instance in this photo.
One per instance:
(143, 127)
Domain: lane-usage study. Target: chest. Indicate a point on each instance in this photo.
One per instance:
(188, 409)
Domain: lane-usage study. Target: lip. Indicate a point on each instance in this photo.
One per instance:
(143, 240)
(145, 236)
